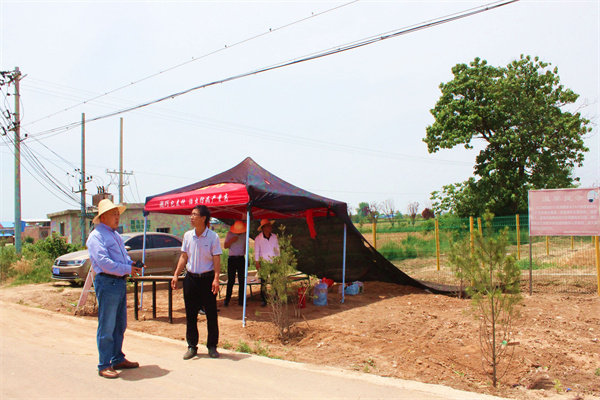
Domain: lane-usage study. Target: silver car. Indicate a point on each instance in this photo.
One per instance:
(162, 253)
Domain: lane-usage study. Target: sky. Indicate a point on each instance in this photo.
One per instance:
(349, 126)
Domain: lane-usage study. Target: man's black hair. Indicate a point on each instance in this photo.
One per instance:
(204, 212)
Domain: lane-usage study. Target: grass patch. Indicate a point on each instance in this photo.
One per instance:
(535, 265)
(227, 345)
(410, 247)
(259, 349)
(243, 347)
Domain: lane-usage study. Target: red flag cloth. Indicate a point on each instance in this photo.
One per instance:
(311, 224)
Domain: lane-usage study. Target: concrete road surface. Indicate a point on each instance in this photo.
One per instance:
(51, 356)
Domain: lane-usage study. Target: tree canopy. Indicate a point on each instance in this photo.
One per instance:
(531, 141)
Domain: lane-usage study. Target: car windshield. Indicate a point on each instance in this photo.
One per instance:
(125, 237)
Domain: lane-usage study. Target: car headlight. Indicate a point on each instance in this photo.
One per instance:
(75, 263)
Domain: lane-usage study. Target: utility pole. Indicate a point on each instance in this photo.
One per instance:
(120, 172)
(82, 181)
(82, 218)
(121, 165)
(17, 78)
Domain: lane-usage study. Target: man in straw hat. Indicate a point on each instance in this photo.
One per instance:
(112, 265)
(235, 241)
(201, 256)
(266, 246)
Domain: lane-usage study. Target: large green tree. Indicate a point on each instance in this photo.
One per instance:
(531, 140)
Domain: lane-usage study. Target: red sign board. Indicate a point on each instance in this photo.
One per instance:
(220, 195)
(564, 212)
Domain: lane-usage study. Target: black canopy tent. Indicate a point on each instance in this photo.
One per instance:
(328, 244)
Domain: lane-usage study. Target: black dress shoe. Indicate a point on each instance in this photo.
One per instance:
(226, 303)
(191, 353)
(213, 353)
(263, 304)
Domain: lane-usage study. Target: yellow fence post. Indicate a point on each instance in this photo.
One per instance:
(572, 247)
(597, 241)
(547, 245)
(375, 234)
(472, 238)
(518, 238)
(437, 244)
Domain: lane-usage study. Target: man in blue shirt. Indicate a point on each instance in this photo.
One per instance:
(112, 265)
(201, 256)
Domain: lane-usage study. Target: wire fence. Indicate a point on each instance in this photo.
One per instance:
(548, 263)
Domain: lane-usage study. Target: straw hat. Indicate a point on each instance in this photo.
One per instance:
(104, 206)
(264, 222)
(238, 227)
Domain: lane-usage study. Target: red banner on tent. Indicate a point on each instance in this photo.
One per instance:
(222, 194)
(564, 212)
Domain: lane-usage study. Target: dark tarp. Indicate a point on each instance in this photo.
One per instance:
(295, 208)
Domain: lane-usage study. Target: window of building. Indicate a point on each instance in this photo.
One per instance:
(163, 230)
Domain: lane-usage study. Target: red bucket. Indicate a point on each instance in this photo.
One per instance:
(302, 297)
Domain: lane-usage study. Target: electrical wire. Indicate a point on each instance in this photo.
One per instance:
(40, 177)
(137, 188)
(310, 57)
(199, 58)
(290, 138)
(245, 131)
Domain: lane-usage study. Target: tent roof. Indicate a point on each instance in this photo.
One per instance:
(230, 193)
(315, 223)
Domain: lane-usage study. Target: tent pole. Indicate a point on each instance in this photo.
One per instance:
(344, 268)
(246, 267)
(143, 259)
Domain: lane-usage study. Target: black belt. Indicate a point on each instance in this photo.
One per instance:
(202, 275)
(113, 276)
(236, 256)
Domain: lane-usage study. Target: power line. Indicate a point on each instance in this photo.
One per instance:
(198, 58)
(42, 176)
(313, 56)
(244, 130)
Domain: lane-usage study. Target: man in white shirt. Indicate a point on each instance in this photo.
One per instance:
(201, 256)
(266, 246)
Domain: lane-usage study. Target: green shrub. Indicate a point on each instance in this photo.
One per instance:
(54, 246)
(35, 263)
(8, 256)
(275, 272)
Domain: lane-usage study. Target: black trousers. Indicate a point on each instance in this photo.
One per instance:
(197, 293)
(236, 264)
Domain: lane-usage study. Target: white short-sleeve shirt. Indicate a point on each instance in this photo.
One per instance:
(200, 250)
